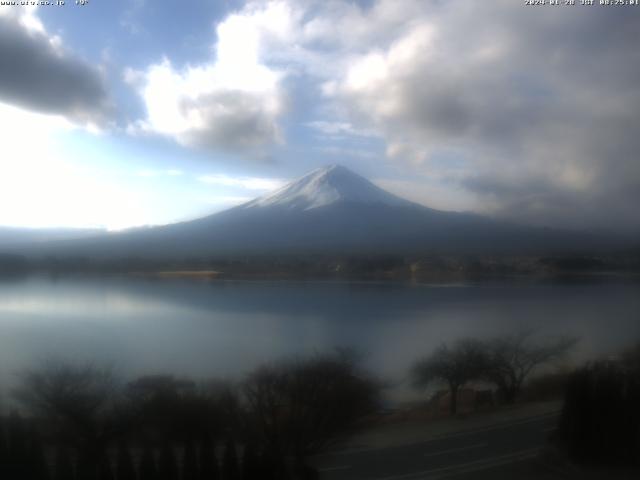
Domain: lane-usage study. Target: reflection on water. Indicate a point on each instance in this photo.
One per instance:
(224, 329)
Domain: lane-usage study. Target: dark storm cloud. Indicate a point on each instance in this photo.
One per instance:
(543, 102)
(38, 76)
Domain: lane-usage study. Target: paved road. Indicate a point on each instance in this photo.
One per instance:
(456, 455)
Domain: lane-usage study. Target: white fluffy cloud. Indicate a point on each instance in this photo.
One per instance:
(233, 102)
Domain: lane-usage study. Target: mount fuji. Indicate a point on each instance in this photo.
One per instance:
(325, 186)
(329, 210)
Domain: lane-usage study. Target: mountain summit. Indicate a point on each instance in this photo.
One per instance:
(326, 186)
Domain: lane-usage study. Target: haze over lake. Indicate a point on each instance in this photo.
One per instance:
(224, 329)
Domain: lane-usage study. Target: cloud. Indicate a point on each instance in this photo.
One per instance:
(338, 129)
(539, 105)
(433, 193)
(340, 153)
(248, 183)
(42, 76)
(231, 103)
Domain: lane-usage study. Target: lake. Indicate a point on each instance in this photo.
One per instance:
(224, 329)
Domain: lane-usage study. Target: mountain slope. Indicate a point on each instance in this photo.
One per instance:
(330, 210)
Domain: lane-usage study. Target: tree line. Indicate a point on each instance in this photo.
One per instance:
(81, 423)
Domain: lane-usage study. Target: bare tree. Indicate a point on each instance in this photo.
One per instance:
(466, 360)
(78, 401)
(76, 397)
(512, 358)
(299, 407)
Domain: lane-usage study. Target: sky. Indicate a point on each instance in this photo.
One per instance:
(121, 113)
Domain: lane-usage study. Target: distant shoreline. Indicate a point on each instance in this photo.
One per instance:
(194, 274)
(434, 268)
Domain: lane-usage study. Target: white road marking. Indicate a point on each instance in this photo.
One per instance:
(459, 449)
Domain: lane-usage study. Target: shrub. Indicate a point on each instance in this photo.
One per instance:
(600, 420)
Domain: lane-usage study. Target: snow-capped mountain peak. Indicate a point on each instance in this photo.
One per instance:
(325, 186)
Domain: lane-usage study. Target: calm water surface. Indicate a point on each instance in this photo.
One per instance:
(224, 329)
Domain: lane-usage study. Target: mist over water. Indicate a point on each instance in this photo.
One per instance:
(225, 329)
